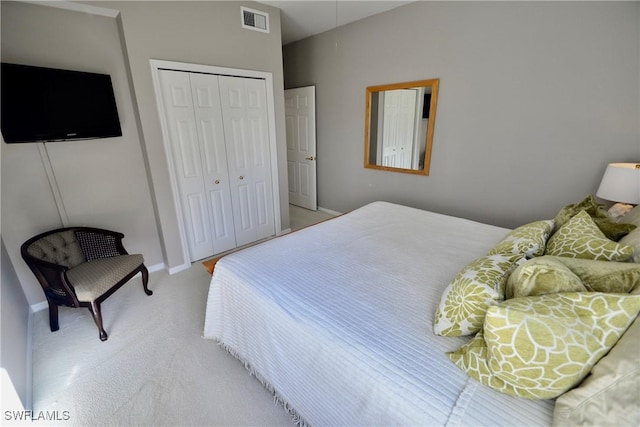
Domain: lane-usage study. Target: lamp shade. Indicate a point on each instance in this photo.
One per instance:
(621, 183)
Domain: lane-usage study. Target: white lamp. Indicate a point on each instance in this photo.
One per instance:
(621, 183)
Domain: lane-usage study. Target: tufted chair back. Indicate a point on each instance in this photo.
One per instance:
(61, 248)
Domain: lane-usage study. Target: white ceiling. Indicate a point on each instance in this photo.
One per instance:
(304, 18)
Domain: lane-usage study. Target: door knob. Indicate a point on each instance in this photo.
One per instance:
(241, 177)
(310, 158)
(217, 181)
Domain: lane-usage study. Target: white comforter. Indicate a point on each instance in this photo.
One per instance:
(337, 318)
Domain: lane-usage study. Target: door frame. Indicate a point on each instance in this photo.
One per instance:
(156, 66)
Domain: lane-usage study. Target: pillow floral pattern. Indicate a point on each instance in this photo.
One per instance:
(598, 213)
(529, 239)
(580, 237)
(476, 287)
(540, 347)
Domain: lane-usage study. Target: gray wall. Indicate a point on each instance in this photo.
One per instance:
(102, 182)
(535, 99)
(14, 321)
(122, 183)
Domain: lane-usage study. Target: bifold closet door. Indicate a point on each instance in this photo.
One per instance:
(194, 120)
(244, 113)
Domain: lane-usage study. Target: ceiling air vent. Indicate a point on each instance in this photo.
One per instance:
(255, 20)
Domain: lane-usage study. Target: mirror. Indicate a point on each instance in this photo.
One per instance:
(399, 123)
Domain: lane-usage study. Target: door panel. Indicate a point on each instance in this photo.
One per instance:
(198, 211)
(187, 144)
(301, 146)
(245, 119)
(181, 125)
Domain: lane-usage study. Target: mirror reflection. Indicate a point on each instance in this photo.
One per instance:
(399, 126)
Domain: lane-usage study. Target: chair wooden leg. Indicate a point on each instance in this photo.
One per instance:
(145, 280)
(53, 316)
(97, 317)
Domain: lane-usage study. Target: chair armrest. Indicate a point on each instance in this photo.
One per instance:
(53, 279)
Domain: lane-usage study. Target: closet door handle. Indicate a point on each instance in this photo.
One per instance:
(241, 177)
(217, 181)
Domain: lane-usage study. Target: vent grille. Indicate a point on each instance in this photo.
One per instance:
(255, 20)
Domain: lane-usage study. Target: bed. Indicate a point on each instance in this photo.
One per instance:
(336, 320)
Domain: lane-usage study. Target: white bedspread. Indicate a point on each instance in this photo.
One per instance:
(338, 319)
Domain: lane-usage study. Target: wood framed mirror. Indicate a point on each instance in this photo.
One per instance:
(399, 122)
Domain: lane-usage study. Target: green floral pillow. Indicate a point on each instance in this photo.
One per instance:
(542, 275)
(598, 213)
(589, 204)
(540, 347)
(529, 239)
(472, 358)
(580, 237)
(603, 276)
(465, 300)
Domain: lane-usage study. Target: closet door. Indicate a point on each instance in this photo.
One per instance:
(199, 162)
(244, 112)
(213, 155)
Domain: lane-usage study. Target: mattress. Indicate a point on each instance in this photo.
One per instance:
(337, 320)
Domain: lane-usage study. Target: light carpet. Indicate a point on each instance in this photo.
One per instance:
(155, 369)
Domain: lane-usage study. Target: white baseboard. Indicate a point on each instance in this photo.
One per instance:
(285, 231)
(329, 211)
(157, 267)
(28, 404)
(39, 306)
(179, 268)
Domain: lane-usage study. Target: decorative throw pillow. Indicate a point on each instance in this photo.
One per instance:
(580, 237)
(540, 347)
(544, 346)
(589, 204)
(603, 276)
(609, 395)
(528, 239)
(540, 276)
(598, 213)
(613, 230)
(472, 358)
(477, 286)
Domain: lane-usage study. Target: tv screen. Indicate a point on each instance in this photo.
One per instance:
(46, 104)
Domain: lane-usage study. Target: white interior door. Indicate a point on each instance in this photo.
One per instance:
(244, 113)
(194, 120)
(300, 112)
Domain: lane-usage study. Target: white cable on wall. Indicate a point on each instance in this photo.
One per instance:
(53, 183)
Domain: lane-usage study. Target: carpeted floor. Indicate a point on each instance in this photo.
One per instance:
(155, 369)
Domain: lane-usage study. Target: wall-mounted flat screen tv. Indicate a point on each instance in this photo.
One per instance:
(46, 104)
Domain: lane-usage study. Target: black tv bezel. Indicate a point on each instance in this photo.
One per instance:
(10, 136)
